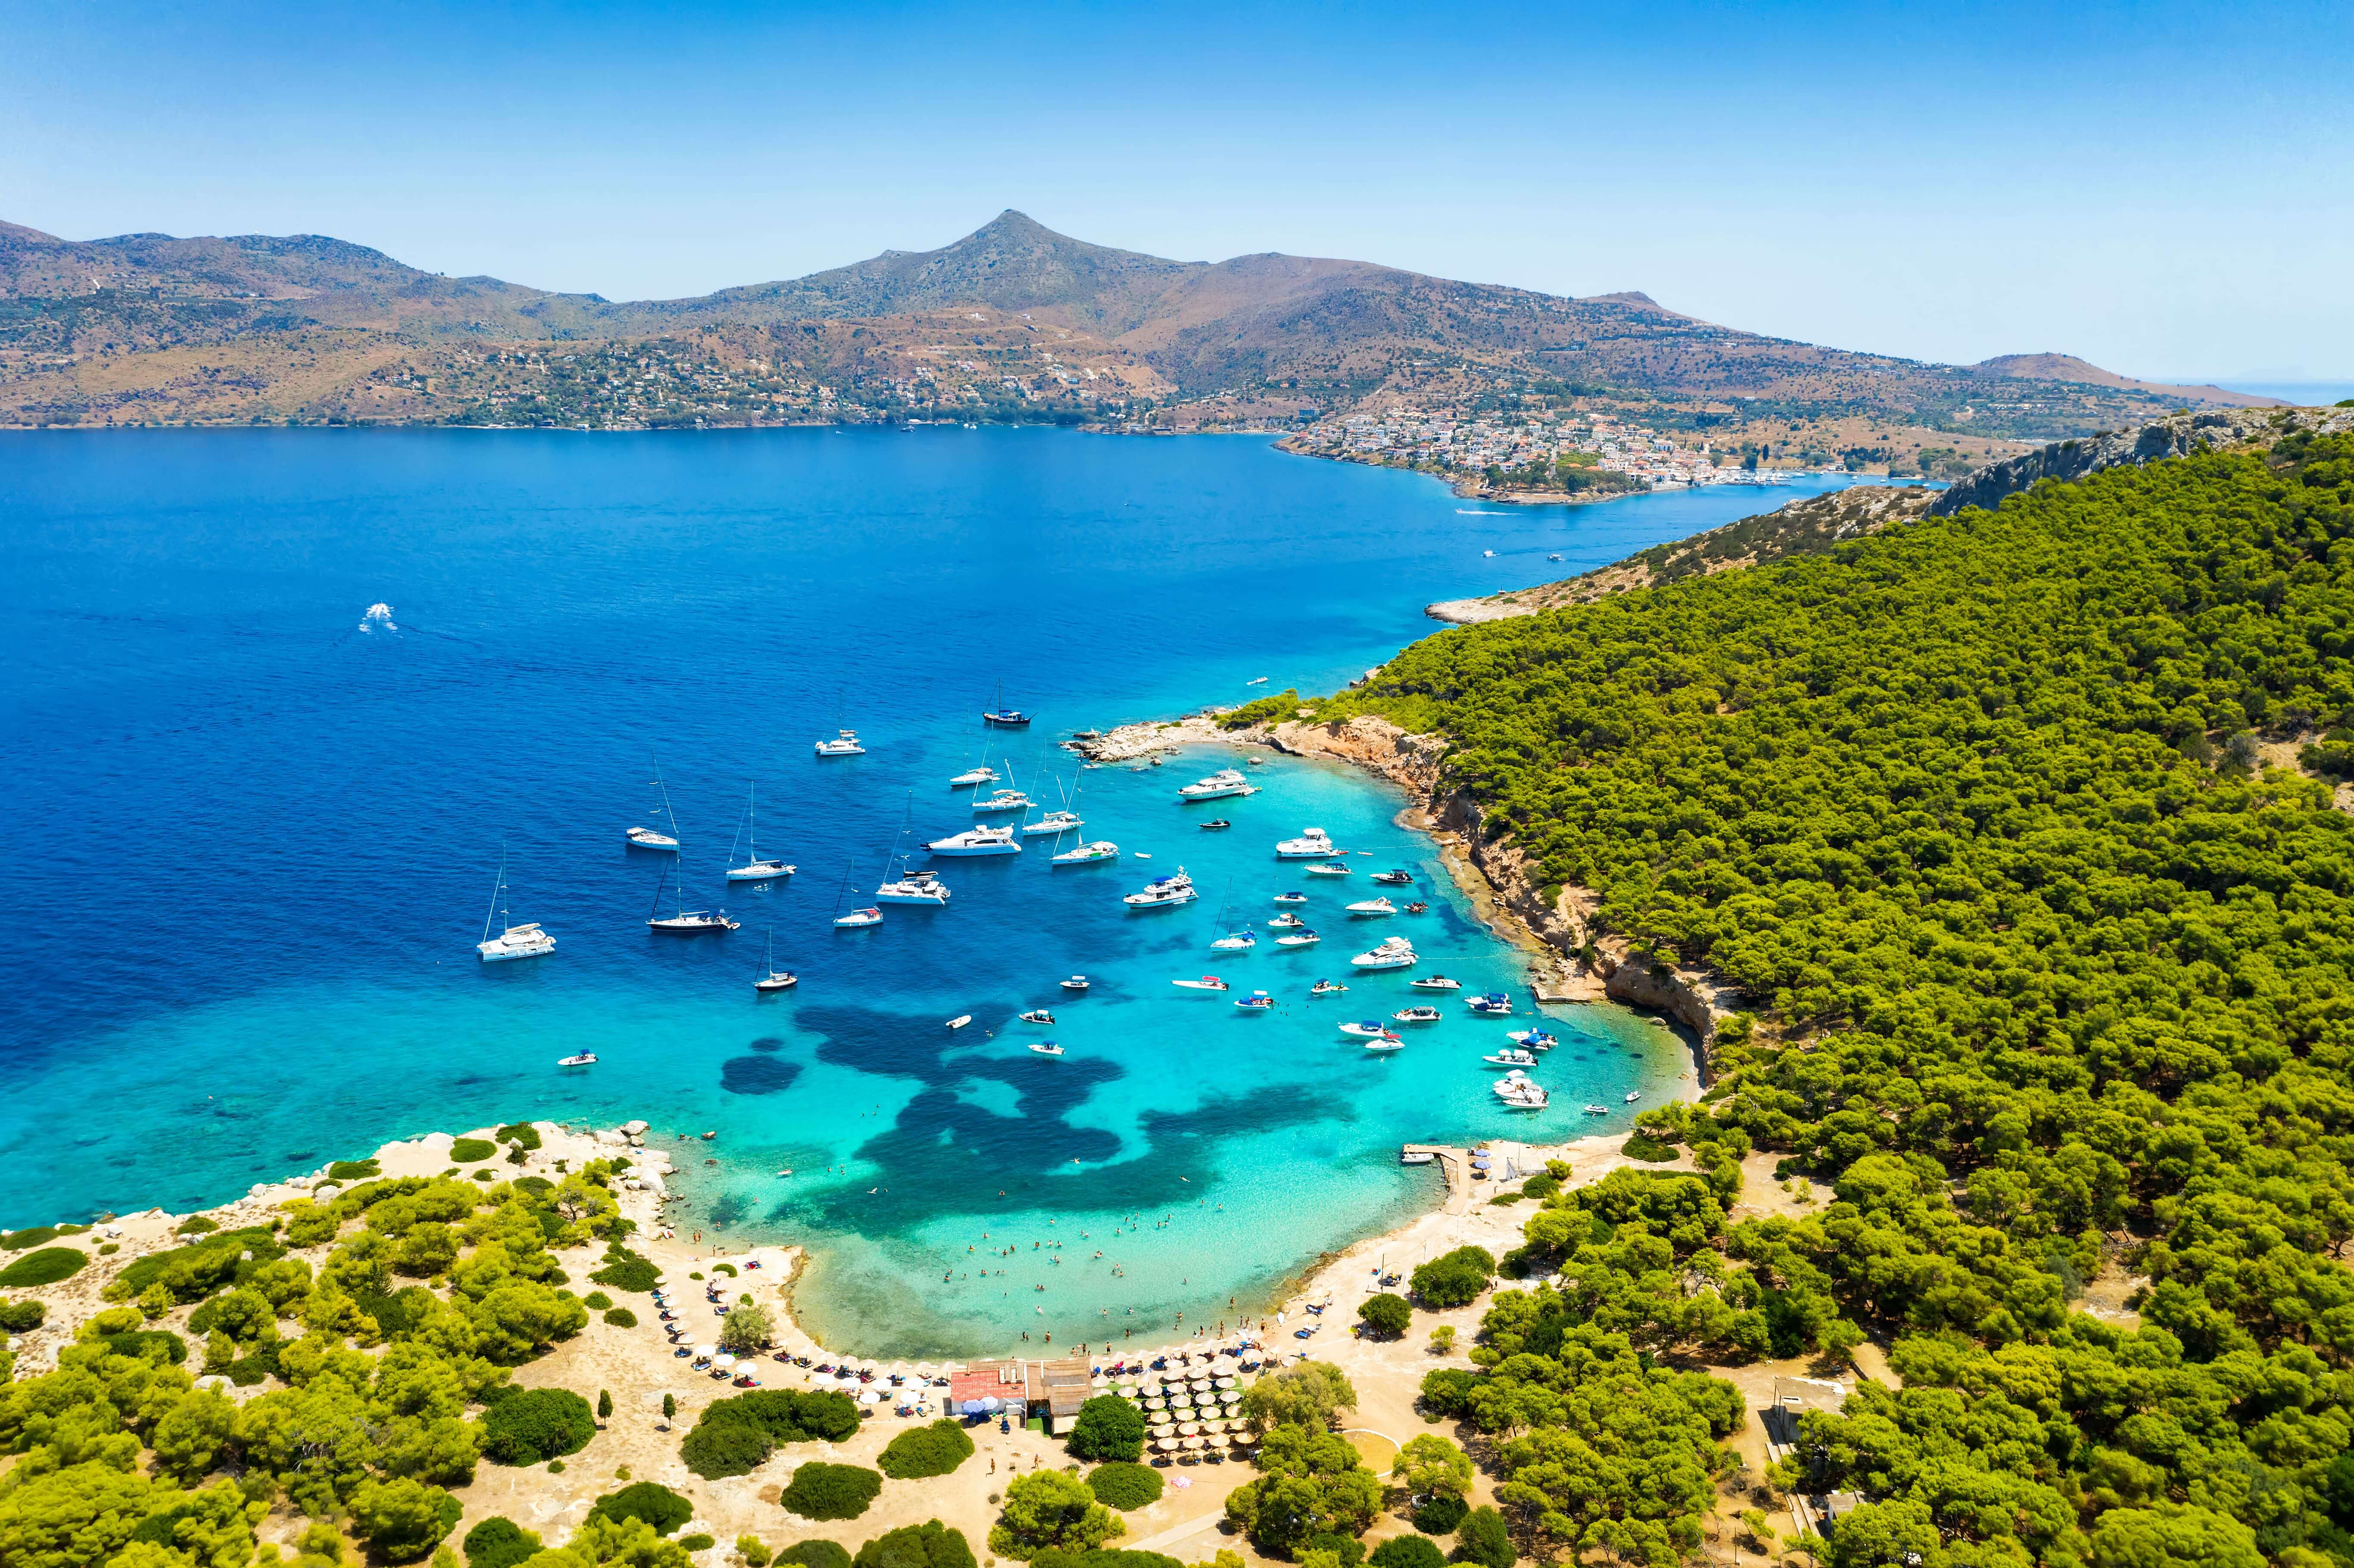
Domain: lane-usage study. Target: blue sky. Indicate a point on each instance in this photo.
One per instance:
(2165, 189)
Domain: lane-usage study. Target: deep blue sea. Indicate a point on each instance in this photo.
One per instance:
(255, 844)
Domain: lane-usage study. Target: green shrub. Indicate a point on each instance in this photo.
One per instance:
(1484, 1539)
(821, 1490)
(723, 1448)
(1543, 1184)
(1386, 1315)
(1124, 1486)
(537, 1186)
(499, 1542)
(197, 1226)
(158, 1345)
(1455, 1278)
(625, 1270)
(535, 1423)
(753, 1551)
(46, 1266)
(697, 1542)
(1347, 1548)
(734, 1435)
(817, 1554)
(354, 1170)
(1107, 1427)
(521, 1134)
(1409, 1551)
(1046, 1510)
(622, 1318)
(18, 1241)
(1272, 709)
(727, 1268)
(657, 1505)
(1642, 1146)
(927, 1545)
(1440, 1513)
(467, 1150)
(1103, 1557)
(403, 1519)
(596, 1301)
(21, 1317)
(934, 1450)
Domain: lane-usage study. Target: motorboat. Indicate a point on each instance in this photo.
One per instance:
(755, 867)
(1393, 878)
(1632, 1095)
(1416, 1157)
(1257, 1002)
(1037, 1015)
(1435, 982)
(1494, 1004)
(1597, 1110)
(1328, 988)
(844, 744)
(1313, 843)
(1417, 907)
(1163, 892)
(1396, 953)
(683, 922)
(583, 1059)
(1287, 921)
(914, 887)
(1520, 1092)
(1366, 1029)
(1417, 1015)
(1207, 982)
(1387, 1043)
(1511, 1056)
(1291, 898)
(972, 776)
(1089, 854)
(1236, 942)
(1053, 822)
(1002, 800)
(978, 840)
(1215, 824)
(1225, 781)
(1372, 907)
(1045, 1047)
(648, 839)
(1534, 1039)
(1299, 939)
(1329, 870)
(960, 1020)
(1075, 983)
(771, 977)
(524, 941)
(860, 918)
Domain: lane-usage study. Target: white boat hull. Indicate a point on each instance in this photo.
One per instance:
(1174, 899)
(759, 871)
(660, 842)
(498, 950)
(931, 898)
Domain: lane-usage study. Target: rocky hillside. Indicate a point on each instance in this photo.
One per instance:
(2178, 435)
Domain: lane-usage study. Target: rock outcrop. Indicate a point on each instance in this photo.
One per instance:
(2177, 435)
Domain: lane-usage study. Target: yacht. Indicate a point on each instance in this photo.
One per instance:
(1495, 1004)
(655, 837)
(524, 941)
(1257, 1002)
(1396, 953)
(1366, 1029)
(972, 776)
(1387, 1043)
(1300, 938)
(1236, 942)
(647, 839)
(1328, 988)
(755, 868)
(1075, 983)
(1163, 893)
(1394, 878)
(1207, 982)
(1053, 822)
(1002, 800)
(1330, 869)
(1633, 1094)
(1512, 1056)
(1435, 982)
(1416, 1157)
(1597, 1110)
(914, 887)
(860, 918)
(1037, 1015)
(1291, 898)
(1287, 921)
(1225, 781)
(1216, 825)
(770, 977)
(978, 840)
(1372, 906)
(1313, 843)
(1089, 854)
(1418, 1014)
(683, 922)
(844, 744)
(1045, 1047)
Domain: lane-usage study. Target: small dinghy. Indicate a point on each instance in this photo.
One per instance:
(1075, 983)
(1597, 1110)
(1257, 1002)
(1533, 1039)
(1387, 1043)
(1207, 982)
(1417, 907)
(584, 1059)
(1037, 1015)
(1045, 1047)
(1634, 1095)
(960, 1020)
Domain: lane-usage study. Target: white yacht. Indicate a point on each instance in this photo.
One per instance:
(844, 744)
(1287, 921)
(1520, 1092)
(1387, 1043)
(1533, 1039)
(1089, 854)
(524, 941)
(1435, 982)
(914, 887)
(655, 837)
(978, 840)
(648, 839)
(1053, 822)
(1313, 843)
(860, 918)
(1225, 781)
(1396, 953)
(1330, 868)
(1046, 1048)
(1163, 893)
(1632, 1095)
(1419, 1014)
(1372, 906)
(1298, 939)
(1207, 982)
(771, 977)
(1366, 1029)
(755, 867)
(972, 776)
(1291, 898)
(684, 922)
(1002, 800)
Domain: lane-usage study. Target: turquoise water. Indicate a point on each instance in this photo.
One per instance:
(256, 843)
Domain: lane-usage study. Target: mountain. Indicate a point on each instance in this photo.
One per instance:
(104, 329)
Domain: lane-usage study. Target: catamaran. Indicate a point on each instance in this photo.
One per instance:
(524, 941)
(655, 837)
(844, 744)
(755, 867)
(914, 887)
(977, 840)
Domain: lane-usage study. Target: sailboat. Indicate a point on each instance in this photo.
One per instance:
(856, 917)
(772, 978)
(525, 941)
(754, 868)
(1003, 717)
(911, 887)
(653, 838)
(684, 922)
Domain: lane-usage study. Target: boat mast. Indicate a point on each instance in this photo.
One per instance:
(498, 890)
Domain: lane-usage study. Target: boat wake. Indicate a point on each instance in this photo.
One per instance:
(378, 615)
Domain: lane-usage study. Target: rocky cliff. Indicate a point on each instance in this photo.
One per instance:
(2177, 435)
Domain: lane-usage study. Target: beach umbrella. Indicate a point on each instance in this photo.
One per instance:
(1189, 1442)
(923, 1368)
(1100, 1381)
(723, 1362)
(705, 1353)
(868, 1396)
(1165, 1443)
(866, 1366)
(969, 1407)
(1188, 1427)
(1166, 1429)
(1227, 1382)
(1128, 1391)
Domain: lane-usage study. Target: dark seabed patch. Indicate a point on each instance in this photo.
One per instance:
(758, 1074)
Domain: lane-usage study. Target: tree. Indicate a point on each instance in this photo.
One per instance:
(932, 1450)
(1107, 1427)
(745, 1328)
(927, 1545)
(1409, 1551)
(604, 1405)
(750, 1548)
(1455, 1278)
(670, 1406)
(820, 1490)
(1388, 1316)
(1309, 1394)
(1483, 1539)
(535, 1425)
(2172, 1538)
(816, 1554)
(1310, 1483)
(651, 1502)
(1049, 1508)
(1124, 1486)
(1429, 1463)
(499, 1542)
(718, 1448)
(401, 1520)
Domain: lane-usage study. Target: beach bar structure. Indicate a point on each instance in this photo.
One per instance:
(1050, 1390)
